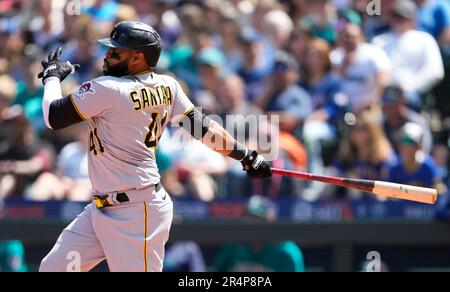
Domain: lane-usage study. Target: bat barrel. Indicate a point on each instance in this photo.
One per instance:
(386, 189)
(406, 192)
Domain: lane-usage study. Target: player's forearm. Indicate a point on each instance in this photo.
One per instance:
(52, 92)
(219, 140)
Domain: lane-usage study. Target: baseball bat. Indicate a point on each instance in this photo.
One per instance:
(381, 188)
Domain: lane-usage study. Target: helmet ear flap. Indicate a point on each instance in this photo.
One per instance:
(153, 57)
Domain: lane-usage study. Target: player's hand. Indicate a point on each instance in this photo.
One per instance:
(54, 67)
(255, 166)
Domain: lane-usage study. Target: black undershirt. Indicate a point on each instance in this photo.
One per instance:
(63, 114)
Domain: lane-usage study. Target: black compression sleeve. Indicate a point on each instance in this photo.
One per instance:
(62, 114)
(239, 152)
(195, 123)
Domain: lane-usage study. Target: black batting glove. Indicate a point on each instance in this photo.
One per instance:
(54, 67)
(255, 166)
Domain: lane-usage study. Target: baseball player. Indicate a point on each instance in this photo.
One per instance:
(127, 110)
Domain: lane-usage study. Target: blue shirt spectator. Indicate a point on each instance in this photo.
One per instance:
(434, 17)
(424, 176)
(284, 96)
(257, 62)
(103, 10)
(293, 100)
(415, 167)
(325, 94)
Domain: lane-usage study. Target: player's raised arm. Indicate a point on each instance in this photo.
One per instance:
(58, 112)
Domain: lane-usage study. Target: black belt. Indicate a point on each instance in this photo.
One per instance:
(123, 198)
(103, 201)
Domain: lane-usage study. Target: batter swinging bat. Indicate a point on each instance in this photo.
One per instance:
(381, 188)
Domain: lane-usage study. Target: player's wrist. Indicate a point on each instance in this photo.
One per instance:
(239, 152)
(51, 79)
(256, 166)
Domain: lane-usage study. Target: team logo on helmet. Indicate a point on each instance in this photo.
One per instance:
(86, 88)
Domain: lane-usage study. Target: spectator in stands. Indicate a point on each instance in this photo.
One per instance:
(161, 14)
(46, 23)
(232, 98)
(298, 9)
(320, 129)
(12, 257)
(256, 64)
(29, 94)
(300, 39)
(211, 66)
(414, 167)
(373, 25)
(325, 90)
(261, 8)
(434, 17)
(278, 27)
(365, 152)
(103, 10)
(22, 155)
(441, 156)
(70, 181)
(364, 68)
(146, 10)
(197, 168)
(185, 257)
(283, 96)
(229, 38)
(84, 52)
(7, 93)
(291, 154)
(396, 114)
(416, 60)
(320, 19)
(194, 37)
(323, 85)
(277, 257)
(246, 33)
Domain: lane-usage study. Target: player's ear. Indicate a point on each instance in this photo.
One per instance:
(138, 57)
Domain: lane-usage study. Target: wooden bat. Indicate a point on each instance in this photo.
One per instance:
(381, 188)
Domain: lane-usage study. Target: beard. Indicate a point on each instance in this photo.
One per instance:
(118, 70)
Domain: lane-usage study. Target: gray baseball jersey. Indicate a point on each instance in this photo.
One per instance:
(126, 118)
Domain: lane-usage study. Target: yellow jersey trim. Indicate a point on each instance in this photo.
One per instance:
(145, 237)
(144, 72)
(76, 108)
(185, 114)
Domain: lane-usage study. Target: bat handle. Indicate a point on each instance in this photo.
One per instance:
(406, 192)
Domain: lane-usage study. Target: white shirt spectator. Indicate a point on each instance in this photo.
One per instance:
(416, 59)
(72, 161)
(360, 79)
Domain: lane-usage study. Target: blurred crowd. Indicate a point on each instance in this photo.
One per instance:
(360, 88)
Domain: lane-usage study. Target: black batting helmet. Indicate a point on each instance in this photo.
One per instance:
(138, 36)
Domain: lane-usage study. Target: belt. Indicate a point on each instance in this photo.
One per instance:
(103, 201)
